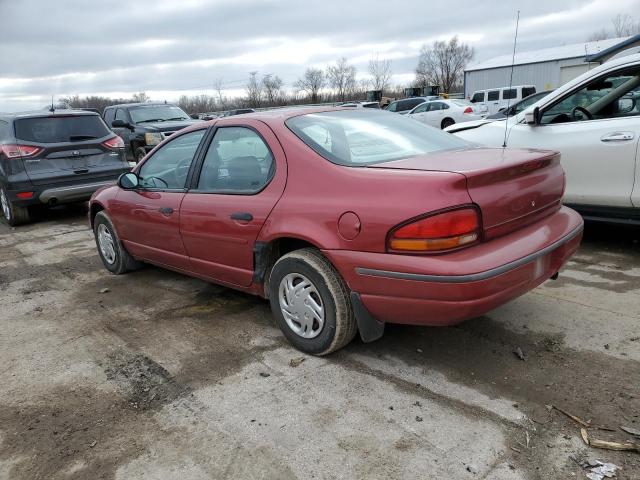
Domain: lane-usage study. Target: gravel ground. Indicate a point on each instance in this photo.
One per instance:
(167, 377)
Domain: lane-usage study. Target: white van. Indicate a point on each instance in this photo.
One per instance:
(493, 100)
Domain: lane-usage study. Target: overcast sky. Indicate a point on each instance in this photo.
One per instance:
(172, 47)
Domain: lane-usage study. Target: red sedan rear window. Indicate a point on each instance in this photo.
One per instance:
(364, 137)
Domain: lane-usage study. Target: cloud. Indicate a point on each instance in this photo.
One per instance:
(169, 47)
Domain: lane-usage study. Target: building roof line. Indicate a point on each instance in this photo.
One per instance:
(604, 54)
(564, 52)
(521, 64)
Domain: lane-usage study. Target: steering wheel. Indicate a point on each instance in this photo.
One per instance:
(182, 169)
(166, 185)
(582, 110)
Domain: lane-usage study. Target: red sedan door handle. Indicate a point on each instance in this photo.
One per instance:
(242, 216)
(166, 211)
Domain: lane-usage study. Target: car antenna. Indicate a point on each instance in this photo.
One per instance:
(513, 60)
(52, 109)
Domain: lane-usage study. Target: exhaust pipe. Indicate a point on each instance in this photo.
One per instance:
(52, 202)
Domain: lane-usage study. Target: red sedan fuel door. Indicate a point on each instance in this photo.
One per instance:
(148, 218)
(242, 177)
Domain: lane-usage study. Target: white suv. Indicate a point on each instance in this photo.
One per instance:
(594, 122)
(494, 100)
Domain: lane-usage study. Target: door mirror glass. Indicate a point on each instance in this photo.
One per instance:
(128, 181)
(625, 105)
(120, 124)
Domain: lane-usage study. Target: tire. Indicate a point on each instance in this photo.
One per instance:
(326, 288)
(447, 122)
(138, 154)
(115, 259)
(11, 213)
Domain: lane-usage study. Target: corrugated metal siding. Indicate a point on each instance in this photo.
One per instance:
(544, 75)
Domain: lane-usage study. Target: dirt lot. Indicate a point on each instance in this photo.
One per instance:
(166, 377)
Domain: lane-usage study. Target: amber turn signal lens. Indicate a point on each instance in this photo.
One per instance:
(433, 244)
(444, 231)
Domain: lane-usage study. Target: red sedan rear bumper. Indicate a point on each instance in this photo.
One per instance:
(450, 288)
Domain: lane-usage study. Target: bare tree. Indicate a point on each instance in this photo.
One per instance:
(93, 101)
(342, 78)
(311, 83)
(443, 64)
(254, 90)
(197, 104)
(624, 25)
(361, 87)
(217, 86)
(380, 71)
(272, 86)
(141, 97)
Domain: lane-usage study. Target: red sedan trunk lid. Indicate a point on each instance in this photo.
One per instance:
(513, 188)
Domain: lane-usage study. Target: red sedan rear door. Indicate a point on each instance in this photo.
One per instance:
(242, 176)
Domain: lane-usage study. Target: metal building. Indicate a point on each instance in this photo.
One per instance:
(547, 69)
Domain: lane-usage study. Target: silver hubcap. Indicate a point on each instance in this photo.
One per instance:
(105, 242)
(301, 305)
(6, 211)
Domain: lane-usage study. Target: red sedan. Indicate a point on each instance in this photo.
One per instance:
(343, 219)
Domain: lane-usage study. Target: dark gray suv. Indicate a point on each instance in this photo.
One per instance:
(50, 158)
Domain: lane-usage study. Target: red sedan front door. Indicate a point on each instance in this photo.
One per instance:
(148, 218)
(242, 177)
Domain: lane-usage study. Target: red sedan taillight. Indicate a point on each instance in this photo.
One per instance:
(114, 143)
(436, 233)
(468, 110)
(12, 150)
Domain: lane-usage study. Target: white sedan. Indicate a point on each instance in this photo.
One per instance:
(444, 113)
(594, 122)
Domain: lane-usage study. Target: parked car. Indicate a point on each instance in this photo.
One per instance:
(407, 104)
(492, 100)
(53, 158)
(594, 121)
(375, 105)
(501, 115)
(444, 113)
(518, 107)
(237, 111)
(142, 126)
(276, 204)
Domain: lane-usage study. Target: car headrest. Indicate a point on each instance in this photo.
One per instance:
(245, 172)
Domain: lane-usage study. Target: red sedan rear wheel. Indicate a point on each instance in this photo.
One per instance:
(310, 302)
